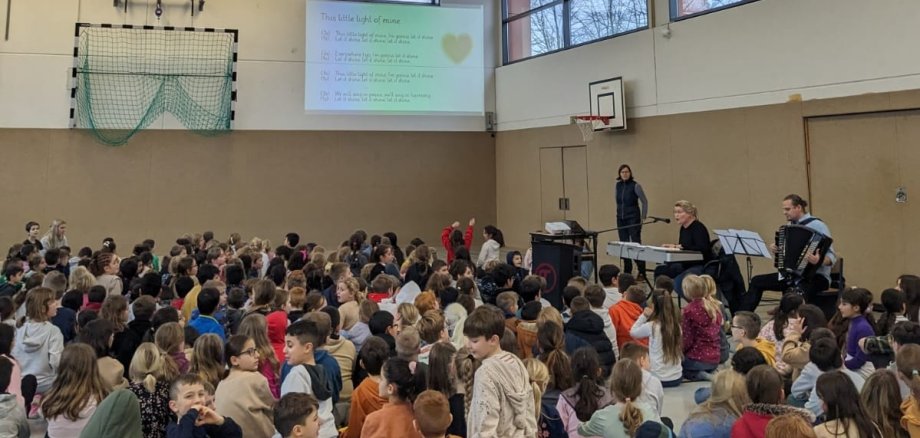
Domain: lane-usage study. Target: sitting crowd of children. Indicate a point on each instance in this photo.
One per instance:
(230, 339)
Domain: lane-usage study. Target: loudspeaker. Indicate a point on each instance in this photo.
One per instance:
(555, 262)
(490, 121)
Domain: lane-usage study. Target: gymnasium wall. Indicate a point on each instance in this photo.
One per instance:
(736, 165)
(280, 171)
(321, 184)
(766, 52)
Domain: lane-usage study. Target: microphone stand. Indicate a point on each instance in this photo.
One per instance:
(626, 227)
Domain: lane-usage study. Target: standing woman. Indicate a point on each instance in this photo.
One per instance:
(628, 194)
(55, 237)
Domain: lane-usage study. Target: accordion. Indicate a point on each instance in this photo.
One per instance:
(793, 244)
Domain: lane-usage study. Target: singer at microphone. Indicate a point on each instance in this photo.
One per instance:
(694, 236)
(628, 193)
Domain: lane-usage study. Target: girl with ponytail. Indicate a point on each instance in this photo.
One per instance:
(549, 425)
(700, 325)
(151, 372)
(621, 420)
(399, 383)
(551, 341)
(348, 293)
(490, 248)
(466, 365)
(419, 269)
(577, 403)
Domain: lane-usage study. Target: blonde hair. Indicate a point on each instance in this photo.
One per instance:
(81, 279)
(366, 271)
(539, 379)
(626, 386)
(207, 359)
(729, 392)
(490, 265)
(351, 283)
(150, 365)
(38, 301)
(703, 287)
(408, 315)
(430, 326)
(549, 314)
(578, 282)
(169, 337)
(55, 239)
(687, 207)
(256, 245)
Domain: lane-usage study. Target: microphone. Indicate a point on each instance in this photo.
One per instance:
(660, 219)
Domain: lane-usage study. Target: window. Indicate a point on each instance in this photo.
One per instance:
(681, 9)
(535, 27)
(411, 2)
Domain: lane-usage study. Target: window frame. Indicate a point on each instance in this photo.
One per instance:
(672, 6)
(566, 27)
(398, 2)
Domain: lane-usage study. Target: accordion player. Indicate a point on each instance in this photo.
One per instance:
(794, 244)
(804, 255)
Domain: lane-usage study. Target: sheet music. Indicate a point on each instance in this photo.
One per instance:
(743, 242)
(727, 240)
(754, 244)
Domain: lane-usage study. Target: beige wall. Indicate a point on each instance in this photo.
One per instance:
(320, 184)
(735, 165)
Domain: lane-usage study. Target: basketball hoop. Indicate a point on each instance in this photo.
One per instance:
(588, 124)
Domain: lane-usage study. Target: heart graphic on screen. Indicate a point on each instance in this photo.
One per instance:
(457, 47)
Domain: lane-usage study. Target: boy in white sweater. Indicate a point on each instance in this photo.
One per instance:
(608, 276)
(502, 404)
(596, 296)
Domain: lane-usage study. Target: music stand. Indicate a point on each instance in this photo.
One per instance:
(746, 243)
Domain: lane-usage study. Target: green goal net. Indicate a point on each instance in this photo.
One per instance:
(127, 77)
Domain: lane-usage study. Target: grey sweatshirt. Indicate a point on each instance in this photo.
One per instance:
(38, 350)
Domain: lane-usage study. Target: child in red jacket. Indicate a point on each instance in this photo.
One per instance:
(765, 387)
(452, 238)
(624, 314)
